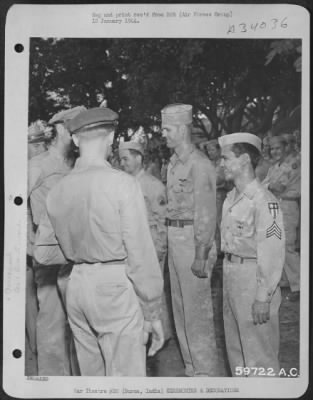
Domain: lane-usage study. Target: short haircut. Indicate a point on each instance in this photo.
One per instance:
(136, 153)
(253, 152)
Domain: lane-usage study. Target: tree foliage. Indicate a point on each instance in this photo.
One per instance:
(237, 84)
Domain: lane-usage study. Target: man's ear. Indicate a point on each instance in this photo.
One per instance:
(184, 131)
(246, 158)
(75, 139)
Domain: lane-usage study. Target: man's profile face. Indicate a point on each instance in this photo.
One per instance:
(278, 151)
(266, 150)
(213, 152)
(173, 135)
(231, 164)
(128, 161)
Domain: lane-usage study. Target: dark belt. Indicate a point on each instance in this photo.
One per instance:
(179, 223)
(237, 259)
(113, 262)
(110, 262)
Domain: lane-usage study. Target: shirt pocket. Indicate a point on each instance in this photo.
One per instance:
(243, 227)
(183, 191)
(183, 186)
(238, 228)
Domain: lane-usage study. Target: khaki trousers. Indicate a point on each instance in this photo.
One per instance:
(291, 216)
(248, 345)
(192, 306)
(63, 279)
(165, 313)
(52, 326)
(106, 320)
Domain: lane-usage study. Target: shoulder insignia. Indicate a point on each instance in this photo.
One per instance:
(273, 209)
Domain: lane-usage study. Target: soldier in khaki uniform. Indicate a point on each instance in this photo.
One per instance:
(192, 252)
(36, 145)
(265, 161)
(253, 241)
(214, 153)
(97, 220)
(284, 181)
(294, 157)
(131, 156)
(44, 171)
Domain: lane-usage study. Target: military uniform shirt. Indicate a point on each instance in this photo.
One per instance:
(252, 227)
(44, 171)
(262, 168)
(98, 215)
(191, 193)
(155, 199)
(293, 158)
(287, 174)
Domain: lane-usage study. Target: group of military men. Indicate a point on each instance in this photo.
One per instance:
(99, 238)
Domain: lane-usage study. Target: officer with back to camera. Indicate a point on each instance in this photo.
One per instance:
(97, 220)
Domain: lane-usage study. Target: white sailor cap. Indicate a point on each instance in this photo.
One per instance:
(240, 137)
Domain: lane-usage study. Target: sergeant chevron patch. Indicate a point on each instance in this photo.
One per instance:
(273, 230)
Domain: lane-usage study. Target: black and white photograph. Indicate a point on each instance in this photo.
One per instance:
(160, 225)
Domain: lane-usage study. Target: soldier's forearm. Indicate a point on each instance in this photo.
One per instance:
(202, 252)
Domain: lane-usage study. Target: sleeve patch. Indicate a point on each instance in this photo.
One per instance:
(273, 230)
(273, 209)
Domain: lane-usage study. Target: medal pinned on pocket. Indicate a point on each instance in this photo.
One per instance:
(239, 225)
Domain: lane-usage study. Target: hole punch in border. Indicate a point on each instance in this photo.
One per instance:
(18, 200)
(17, 353)
(19, 48)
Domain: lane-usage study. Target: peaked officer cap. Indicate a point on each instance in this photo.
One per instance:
(66, 115)
(94, 117)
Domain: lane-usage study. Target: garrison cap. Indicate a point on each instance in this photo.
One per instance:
(289, 137)
(240, 137)
(131, 145)
(94, 117)
(177, 114)
(278, 139)
(36, 132)
(66, 115)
